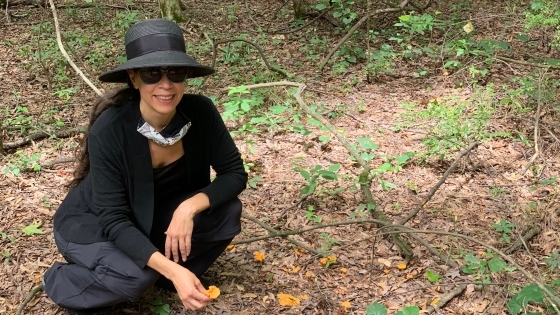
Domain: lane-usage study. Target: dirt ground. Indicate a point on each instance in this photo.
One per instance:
(486, 187)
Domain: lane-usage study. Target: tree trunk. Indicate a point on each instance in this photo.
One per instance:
(300, 8)
(171, 9)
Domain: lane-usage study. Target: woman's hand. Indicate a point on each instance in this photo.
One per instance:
(190, 290)
(179, 232)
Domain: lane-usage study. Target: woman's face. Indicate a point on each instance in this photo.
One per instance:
(158, 99)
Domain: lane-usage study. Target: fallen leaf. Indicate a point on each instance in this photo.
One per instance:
(343, 270)
(213, 291)
(296, 269)
(259, 256)
(401, 266)
(287, 299)
(346, 304)
(435, 301)
(384, 261)
(468, 27)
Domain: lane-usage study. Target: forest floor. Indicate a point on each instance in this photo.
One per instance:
(486, 187)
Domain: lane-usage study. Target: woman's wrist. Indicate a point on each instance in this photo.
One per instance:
(195, 204)
(162, 265)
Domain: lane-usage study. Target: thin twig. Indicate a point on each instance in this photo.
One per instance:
(536, 129)
(29, 297)
(276, 232)
(526, 63)
(8, 19)
(438, 184)
(65, 54)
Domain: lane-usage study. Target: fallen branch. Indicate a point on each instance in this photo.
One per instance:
(448, 297)
(39, 136)
(526, 63)
(58, 161)
(356, 26)
(65, 54)
(29, 297)
(415, 211)
(273, 231)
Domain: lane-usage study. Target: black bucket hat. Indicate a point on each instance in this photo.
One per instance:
(155, 43)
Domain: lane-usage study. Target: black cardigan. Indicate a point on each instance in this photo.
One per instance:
(115, 201)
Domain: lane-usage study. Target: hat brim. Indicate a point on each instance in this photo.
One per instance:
(156, 59)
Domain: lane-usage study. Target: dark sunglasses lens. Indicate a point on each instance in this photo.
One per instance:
(150, 75)
(177, 75)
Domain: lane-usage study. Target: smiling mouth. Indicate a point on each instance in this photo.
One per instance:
(164, 98)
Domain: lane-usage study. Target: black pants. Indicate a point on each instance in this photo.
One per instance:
(99, 274)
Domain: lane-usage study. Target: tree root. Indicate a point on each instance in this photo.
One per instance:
(29, 297)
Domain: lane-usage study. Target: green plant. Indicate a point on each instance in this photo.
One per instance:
(19, 162)
(328, 242)
(531, 293)
(380, 309)
(553, 261)
(455, 123)
(7, 255)
(505, 228)
(544, 16)
(159, 307)
(4, 235)
(481, 268)
(312, 176)
(310, 216)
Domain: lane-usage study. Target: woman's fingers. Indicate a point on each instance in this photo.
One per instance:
(168, 241)
(183, 248)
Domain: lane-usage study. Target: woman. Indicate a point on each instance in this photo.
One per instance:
(143, 210)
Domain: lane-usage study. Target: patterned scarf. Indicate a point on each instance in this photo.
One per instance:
(170, 134)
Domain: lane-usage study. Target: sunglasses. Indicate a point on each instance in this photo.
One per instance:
(154, 75)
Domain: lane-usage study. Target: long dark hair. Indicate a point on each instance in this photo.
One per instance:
(112, 98)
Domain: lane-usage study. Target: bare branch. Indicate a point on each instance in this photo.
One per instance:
(41, 135)
(29, 297)
(438, 184)
(65, 54)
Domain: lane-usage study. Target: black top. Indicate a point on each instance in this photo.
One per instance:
(169, 192)
(115, 201)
